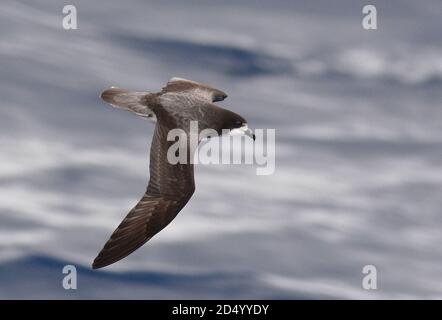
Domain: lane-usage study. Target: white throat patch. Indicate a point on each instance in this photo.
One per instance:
(239, 131)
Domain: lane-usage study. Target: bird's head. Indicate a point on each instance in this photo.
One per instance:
(238, 125)
(226, 119)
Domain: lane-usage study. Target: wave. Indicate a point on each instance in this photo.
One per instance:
(408, 67)
(40, 277)
(222, 58)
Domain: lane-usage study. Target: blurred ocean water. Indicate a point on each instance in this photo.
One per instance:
(358, 122)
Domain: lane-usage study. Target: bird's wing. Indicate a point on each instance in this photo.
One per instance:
(178, 85)
(170, 188)
(129, 100)
(184, 88)
(145, 220)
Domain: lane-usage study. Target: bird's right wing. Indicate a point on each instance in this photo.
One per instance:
(129, 100)
(170, 188)
(151, 214)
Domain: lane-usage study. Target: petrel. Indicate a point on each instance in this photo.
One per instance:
(171, 185)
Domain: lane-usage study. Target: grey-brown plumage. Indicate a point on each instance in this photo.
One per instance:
(171, 185)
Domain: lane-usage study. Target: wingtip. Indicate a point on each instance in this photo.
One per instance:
(98, 262)
(104, 93)
(96, 265)
(108, 94)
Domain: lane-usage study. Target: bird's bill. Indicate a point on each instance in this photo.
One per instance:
(250, 133)
(244, 130)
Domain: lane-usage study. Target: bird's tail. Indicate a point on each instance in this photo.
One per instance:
(128, 100)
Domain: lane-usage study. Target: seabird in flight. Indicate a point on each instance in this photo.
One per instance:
(171, 185)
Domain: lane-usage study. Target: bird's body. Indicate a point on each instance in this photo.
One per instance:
(171, 185)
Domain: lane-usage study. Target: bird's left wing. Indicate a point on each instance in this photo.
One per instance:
(183, 87)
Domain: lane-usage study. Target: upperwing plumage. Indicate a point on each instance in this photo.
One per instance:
(183, 86)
